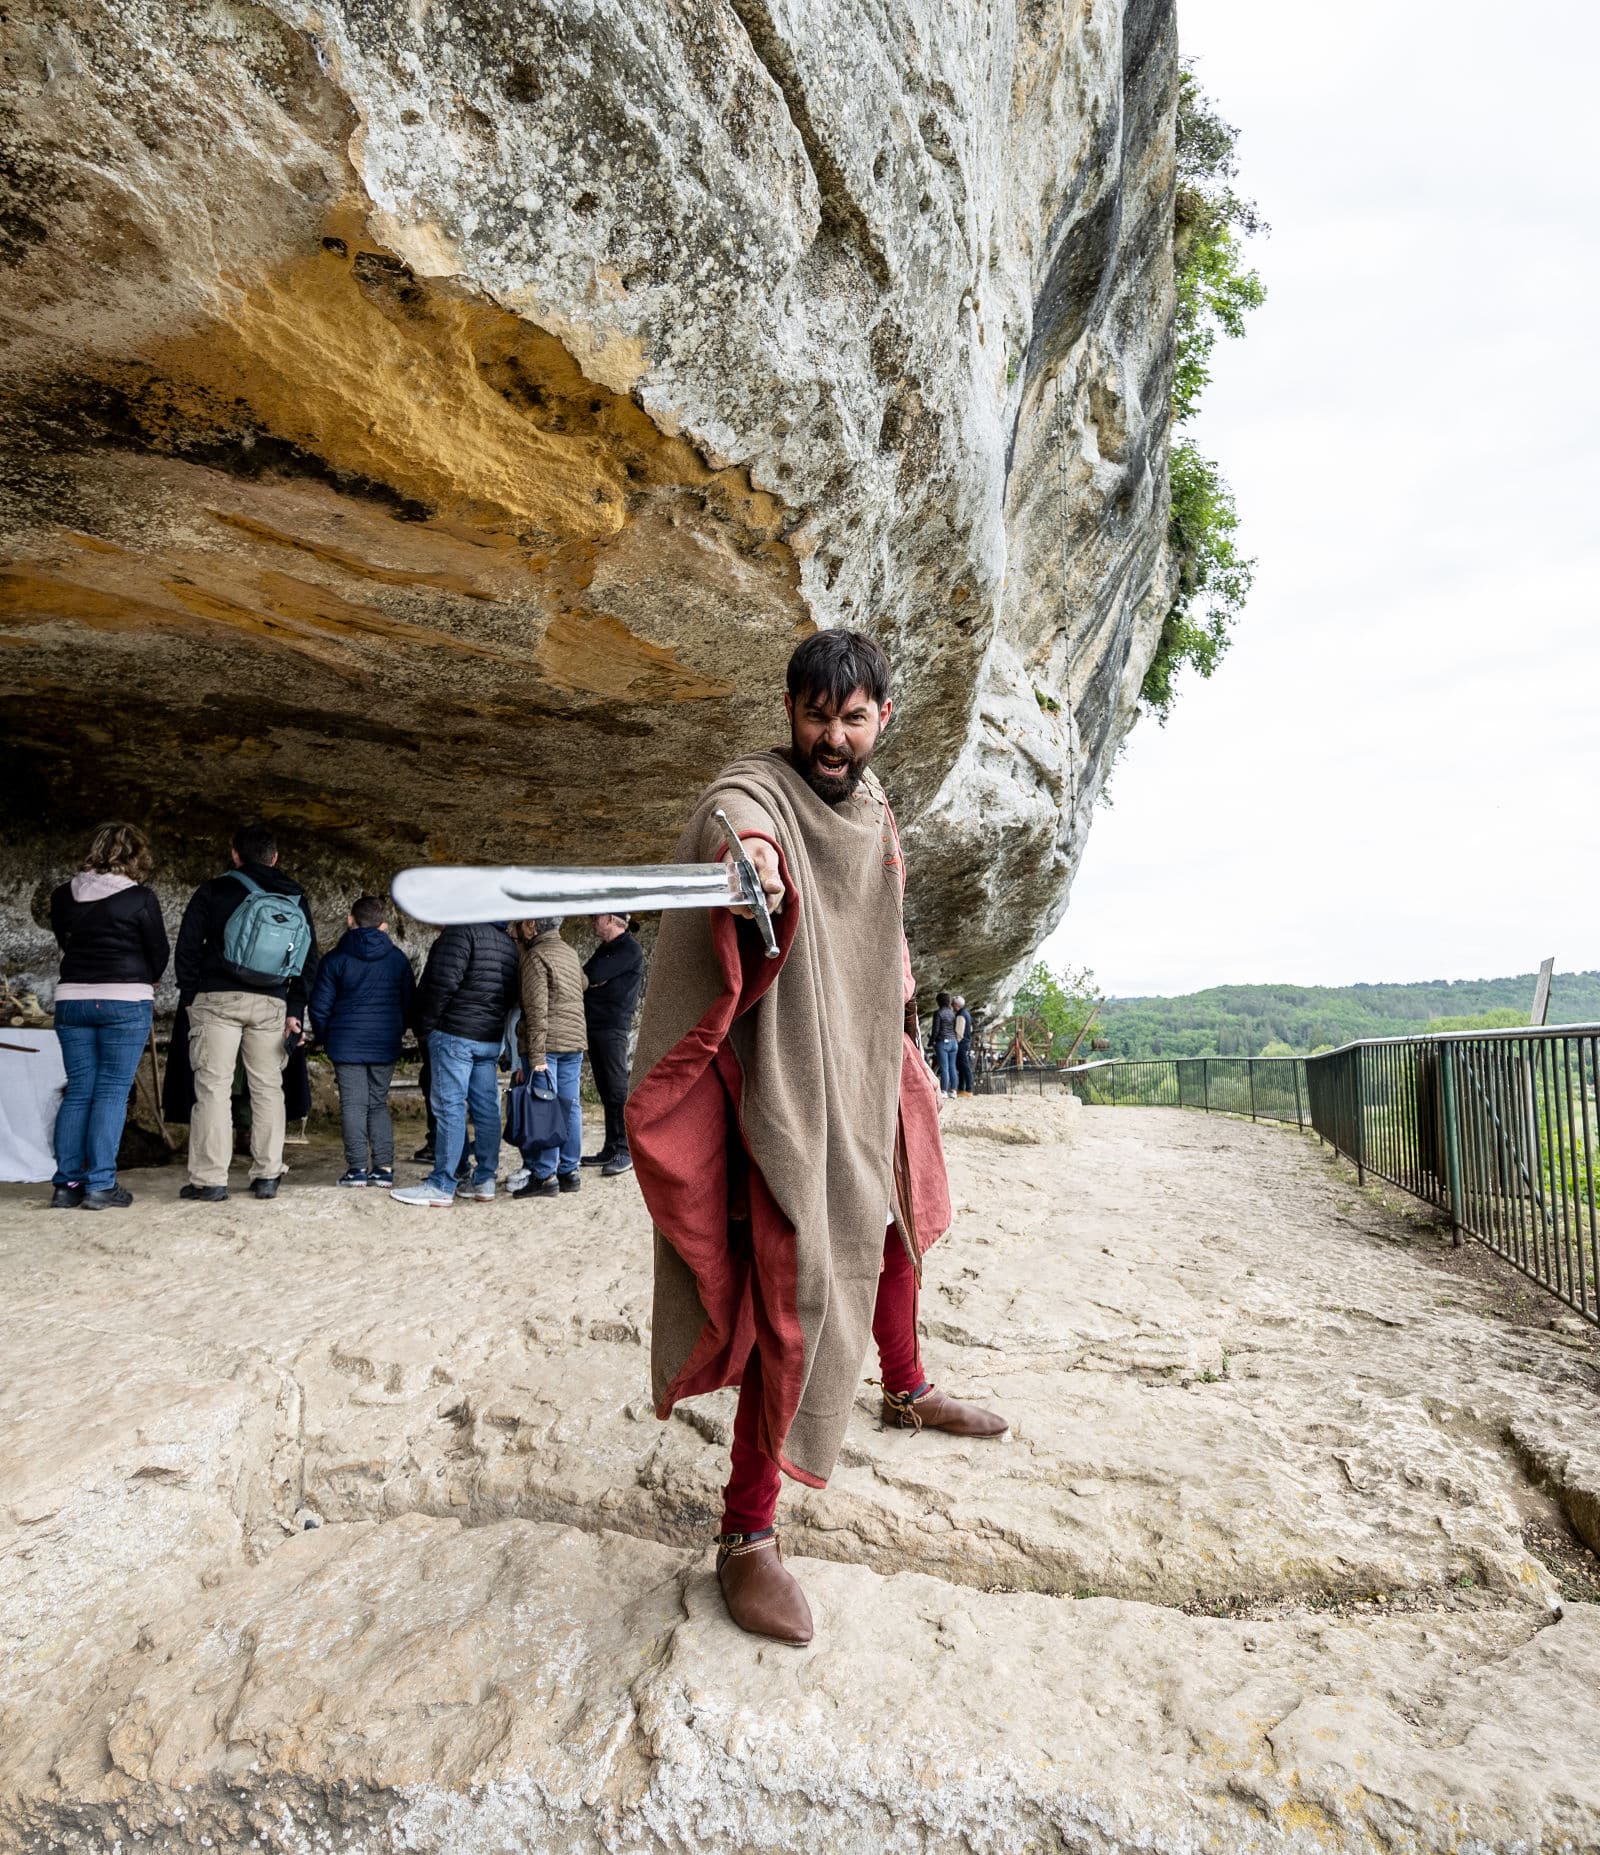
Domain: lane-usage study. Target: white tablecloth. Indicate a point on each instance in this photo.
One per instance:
(31, 1083)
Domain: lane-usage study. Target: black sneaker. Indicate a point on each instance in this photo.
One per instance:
(602, 1158)
(538, 1188)
(618, 1164)
(567, 1181)
(67, 1197)
(116, 1199)
(265, 1188)
(423, 1155)
(206, 1194)
(357, 1175)
(380, 1175)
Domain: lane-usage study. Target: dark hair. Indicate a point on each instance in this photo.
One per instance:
(255, 843)
(119, 850)
(941, 998)
(369, 911)
(837, 663)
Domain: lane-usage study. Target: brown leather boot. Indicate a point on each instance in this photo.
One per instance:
(935, 1410)
(761, 1595)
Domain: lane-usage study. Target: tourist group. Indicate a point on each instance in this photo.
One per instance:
(253, 991)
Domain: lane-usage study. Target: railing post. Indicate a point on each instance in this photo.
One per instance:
(1205, 1081)
(1452, 1141)
(1252, 1066)
(1360, 1154)
(1298, 1119)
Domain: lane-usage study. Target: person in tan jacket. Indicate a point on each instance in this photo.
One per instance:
(551, 1039)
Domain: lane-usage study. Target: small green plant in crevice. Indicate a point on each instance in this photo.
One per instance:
(1047, 702)
(1215, 290)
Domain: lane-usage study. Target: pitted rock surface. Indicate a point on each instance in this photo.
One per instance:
(431, 427)
(1249, 1574)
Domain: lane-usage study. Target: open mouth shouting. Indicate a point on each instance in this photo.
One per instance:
(833, 772)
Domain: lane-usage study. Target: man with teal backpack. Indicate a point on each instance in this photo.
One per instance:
(246, 958)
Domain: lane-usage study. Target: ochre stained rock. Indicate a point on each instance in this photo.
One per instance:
(430, 429)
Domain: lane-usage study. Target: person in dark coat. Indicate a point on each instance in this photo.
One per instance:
(963, 1046)
(361, 1008)
(113, 942)
(468, 986)
(615, 971)
(232, 1013)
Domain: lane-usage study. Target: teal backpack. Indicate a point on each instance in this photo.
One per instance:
(267, 936)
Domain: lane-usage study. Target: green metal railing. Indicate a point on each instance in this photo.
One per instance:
(1267, 1088)
(1497, 1129)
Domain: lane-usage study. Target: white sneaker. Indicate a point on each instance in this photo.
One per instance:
(484, 1193)
(424, 1194)
(517, 1179)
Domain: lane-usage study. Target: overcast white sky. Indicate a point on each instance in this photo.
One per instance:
(1395, 773)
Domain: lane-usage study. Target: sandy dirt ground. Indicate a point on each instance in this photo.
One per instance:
(327, 1524)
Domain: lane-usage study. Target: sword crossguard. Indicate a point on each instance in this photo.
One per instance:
(750, 889)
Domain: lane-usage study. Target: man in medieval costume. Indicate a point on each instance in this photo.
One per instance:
(785, 1128)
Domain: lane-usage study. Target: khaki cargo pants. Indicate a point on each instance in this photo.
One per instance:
(220, 1025)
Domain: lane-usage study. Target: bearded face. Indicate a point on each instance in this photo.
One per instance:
(831, 745)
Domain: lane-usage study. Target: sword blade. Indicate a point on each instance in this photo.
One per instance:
(447, 896)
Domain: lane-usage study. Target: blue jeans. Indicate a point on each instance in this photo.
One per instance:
(101, 1040)
(947, 1066)
(463, 1079)
(565, 1068)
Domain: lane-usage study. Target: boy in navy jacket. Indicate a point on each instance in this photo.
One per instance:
(362, 1005)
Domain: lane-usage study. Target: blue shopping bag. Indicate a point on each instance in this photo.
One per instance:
(535, 1117)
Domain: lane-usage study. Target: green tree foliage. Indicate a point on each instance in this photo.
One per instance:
(1503, 1018)
(1057, 1003)
(1242, 1020)
(1215, 290)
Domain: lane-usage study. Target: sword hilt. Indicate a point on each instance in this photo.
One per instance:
(750, 889)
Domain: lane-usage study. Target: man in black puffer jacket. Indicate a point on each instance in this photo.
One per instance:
(468, 986)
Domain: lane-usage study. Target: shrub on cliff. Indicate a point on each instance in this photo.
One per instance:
(1215, 290)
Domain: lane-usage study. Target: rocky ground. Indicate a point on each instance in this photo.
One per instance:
(325, 1525)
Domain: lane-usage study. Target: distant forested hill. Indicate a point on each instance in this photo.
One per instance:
(1239, 1020)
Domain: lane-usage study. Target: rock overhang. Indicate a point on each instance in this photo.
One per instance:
(432, 431)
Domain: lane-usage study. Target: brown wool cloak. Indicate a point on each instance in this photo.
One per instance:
(776, 1117)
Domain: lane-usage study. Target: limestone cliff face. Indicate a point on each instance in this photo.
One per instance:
(430, 427)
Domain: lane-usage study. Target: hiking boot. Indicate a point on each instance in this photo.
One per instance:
(205, 1194)
(932, 1409)
(602, 1158)
(423, 1155)
(761, 1593)
(424, 1194)
(538, 1188)
(116, 1199)
(567, 1181)
(67, 1197)
(265, 1188)
(380, 1175)
(616, 1165)
(357, 1175)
